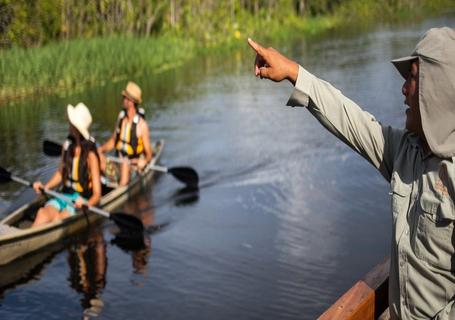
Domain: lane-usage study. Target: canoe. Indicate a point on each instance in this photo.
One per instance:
(18, 239)
(28, 268)
(366, 300)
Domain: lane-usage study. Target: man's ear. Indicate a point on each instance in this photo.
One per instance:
(415, 68)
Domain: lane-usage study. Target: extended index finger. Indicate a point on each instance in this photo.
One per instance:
(256, 47)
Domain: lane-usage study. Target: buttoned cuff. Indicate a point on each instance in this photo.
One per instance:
(300, 97)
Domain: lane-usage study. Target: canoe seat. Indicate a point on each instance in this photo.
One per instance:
(6, 229)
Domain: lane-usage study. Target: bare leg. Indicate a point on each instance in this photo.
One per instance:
(45, 215)
(62, 215)
(124, 173)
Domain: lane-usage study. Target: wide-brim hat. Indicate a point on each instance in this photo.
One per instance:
(403, 64)
(133, 92)
(435, 53)
(80, 117)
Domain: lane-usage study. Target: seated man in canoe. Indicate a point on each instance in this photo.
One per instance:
(131, 138)
(79, 170)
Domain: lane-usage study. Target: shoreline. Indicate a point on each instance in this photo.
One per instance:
(75, 65)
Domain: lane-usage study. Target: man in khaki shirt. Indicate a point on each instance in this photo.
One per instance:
(418, 161)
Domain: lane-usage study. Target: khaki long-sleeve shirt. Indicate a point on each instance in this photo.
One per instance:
(422, 262)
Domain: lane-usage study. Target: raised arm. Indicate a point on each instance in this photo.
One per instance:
(337, 113)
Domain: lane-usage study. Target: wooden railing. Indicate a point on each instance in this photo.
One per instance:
(366, 300)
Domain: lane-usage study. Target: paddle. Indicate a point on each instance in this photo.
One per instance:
(123, 220)
(187, 175)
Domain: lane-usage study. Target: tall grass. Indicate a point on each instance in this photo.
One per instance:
(80, 63)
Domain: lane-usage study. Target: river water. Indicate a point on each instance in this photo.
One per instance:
(286, 218)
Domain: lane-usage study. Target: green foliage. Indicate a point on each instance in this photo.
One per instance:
(371, 11)
(80, 63)
(322, 7)
(28, 23)
(76, 43)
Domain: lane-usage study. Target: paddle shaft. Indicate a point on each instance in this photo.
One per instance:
(186, 175)
(21, 181)
(60, 196)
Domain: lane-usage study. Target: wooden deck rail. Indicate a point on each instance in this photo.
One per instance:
(366, 300)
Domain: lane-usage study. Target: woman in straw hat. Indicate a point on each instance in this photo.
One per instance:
(78, 173)
(131, 138)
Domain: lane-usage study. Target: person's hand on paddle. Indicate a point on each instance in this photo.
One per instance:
(38, 187)
(79, 203)
(141, 163)
(271, 64)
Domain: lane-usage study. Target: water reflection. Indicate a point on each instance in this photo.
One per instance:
(88, 265)
(186, 196)
(140, 248)
(87, 257)
(27, 269)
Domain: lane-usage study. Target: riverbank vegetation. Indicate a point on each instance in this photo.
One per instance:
(62, 45)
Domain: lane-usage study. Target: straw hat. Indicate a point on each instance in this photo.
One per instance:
(80, 117)
(133, 92)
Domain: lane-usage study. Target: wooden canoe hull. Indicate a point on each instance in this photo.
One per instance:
(23, 241)
(366, 300)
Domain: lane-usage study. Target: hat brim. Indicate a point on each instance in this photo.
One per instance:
(126, 94)
(73, 120)
(403, 65)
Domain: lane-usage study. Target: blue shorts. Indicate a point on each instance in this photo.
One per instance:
(61, 205)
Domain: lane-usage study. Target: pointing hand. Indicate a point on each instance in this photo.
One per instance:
(271, 64)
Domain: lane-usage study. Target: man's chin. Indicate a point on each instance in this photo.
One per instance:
(411, 128)
(408, 126)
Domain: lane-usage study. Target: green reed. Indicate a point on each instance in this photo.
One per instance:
(77, 64)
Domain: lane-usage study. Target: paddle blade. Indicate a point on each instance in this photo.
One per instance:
(5, 176)
(186, 175)
(127, 222)
(51, 148)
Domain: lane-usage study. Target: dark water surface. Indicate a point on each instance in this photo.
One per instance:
(286, 219)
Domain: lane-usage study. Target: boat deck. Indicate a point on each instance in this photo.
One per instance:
(6, 229)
